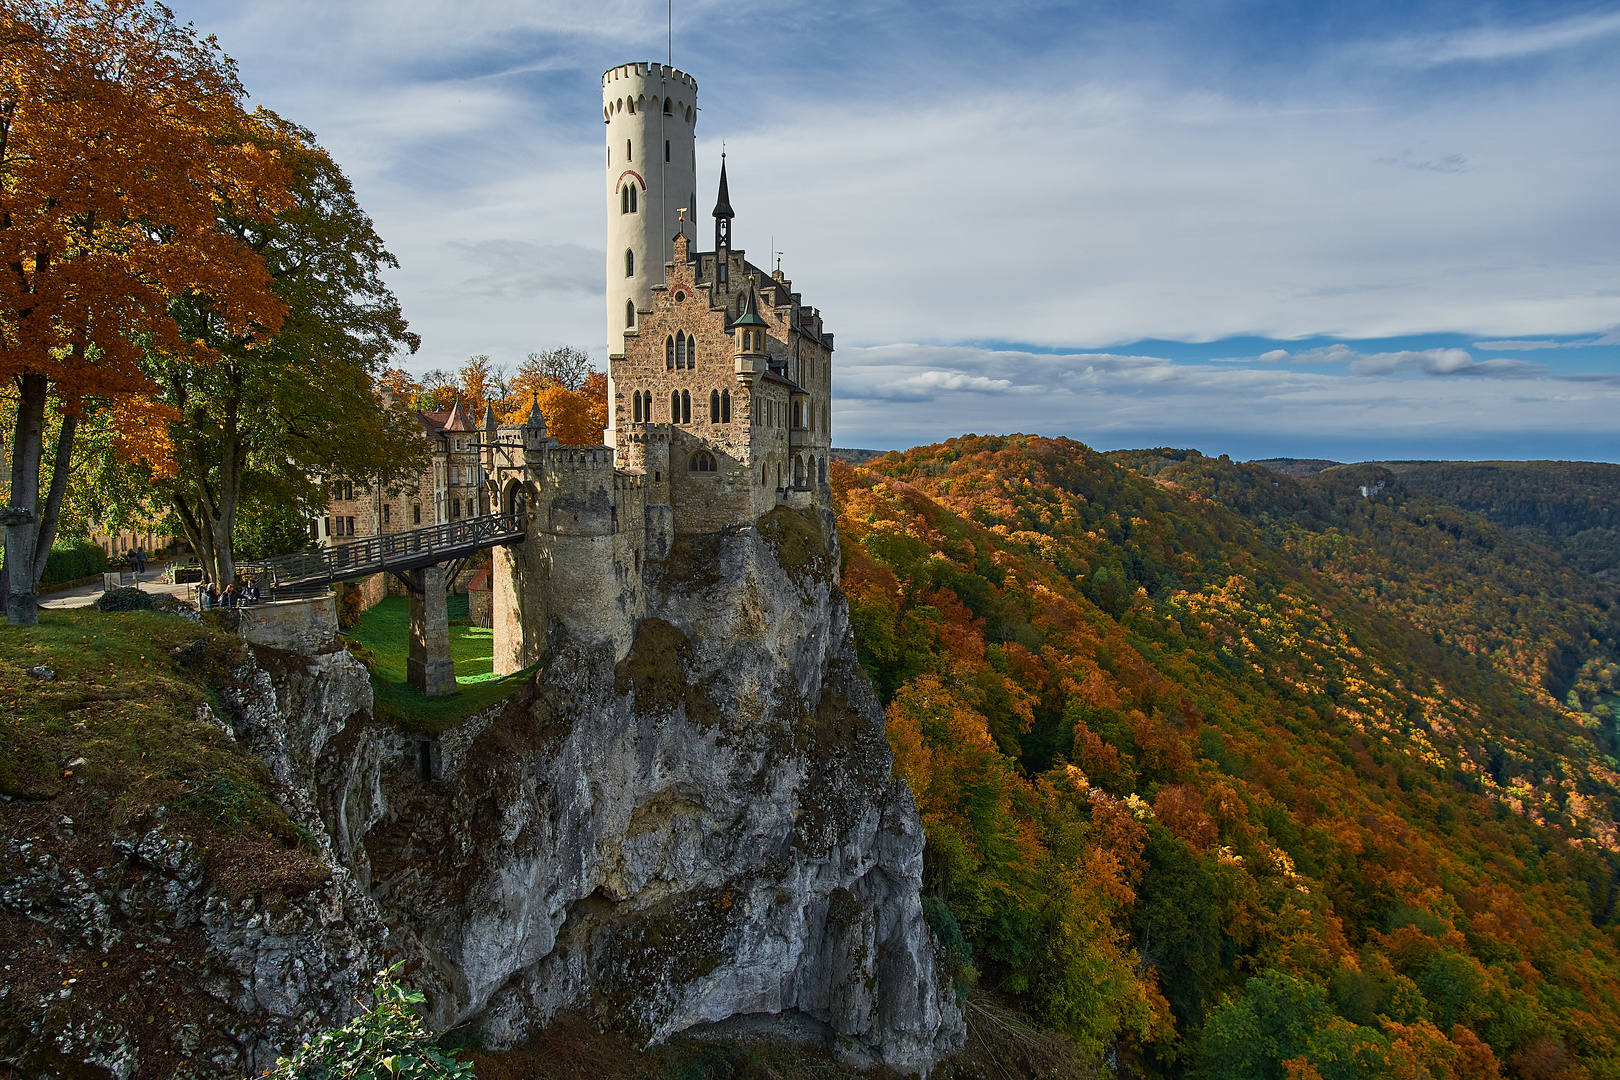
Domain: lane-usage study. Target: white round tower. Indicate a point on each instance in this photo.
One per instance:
(650, 111)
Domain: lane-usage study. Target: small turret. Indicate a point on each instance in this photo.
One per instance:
(748, 338)
(534, 432)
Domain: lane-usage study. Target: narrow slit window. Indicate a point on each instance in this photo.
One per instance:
(714, 406)
(666, 149)
(686, 407)
(725, 406)
(674, 406)
(629, 314)
(669, 354)
(629, 262)
(629, 153)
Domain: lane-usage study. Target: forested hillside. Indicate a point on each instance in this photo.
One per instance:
(1570, 506)
(1235, 775)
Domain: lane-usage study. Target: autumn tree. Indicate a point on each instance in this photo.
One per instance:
(119, 130)
(275, 413)
(479, 384)
(565, 366)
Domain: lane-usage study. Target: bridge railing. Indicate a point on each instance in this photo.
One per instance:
(378, 553)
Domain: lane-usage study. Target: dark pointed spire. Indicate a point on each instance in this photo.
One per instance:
(723, 212)
(537, 419)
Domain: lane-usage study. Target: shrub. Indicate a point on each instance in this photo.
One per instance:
(389, 1041)
(69, 562)
(125, 600)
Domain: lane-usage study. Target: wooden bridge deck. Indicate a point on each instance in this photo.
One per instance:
(391, 552)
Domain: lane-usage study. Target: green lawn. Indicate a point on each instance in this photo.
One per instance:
(384, 632)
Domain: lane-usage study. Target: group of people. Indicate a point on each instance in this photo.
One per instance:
(234, 595)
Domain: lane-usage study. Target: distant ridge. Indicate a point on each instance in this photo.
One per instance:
(1298, 468)
(856, 457)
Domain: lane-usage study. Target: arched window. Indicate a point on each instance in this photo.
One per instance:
(686, 407)
(691, 352)
(624, 199)
(629, 314)
(725, 406)
(416, 514)
(714, 406)
(680, 351)
(637, 398)
(669, 353)
(823, 467)
(632, 198)
(629, 263)
(669, 107)
(701, 461)
(674, 406)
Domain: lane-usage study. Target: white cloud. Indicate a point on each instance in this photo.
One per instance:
(1441, 362)
(1489, 43)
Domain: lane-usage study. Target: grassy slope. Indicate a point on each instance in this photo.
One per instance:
(1203, 652)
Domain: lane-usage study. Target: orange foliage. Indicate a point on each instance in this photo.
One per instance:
(1421, 1051)
(142, 434)
(101, 241)
(573, 417)
(1180, 809)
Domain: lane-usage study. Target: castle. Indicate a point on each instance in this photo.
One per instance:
(719, 396)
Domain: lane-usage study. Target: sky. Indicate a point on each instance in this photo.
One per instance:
(1353, 230)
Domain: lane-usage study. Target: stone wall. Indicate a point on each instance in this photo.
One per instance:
(306, 626)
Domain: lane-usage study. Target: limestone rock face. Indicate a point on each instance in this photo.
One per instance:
(703, 830)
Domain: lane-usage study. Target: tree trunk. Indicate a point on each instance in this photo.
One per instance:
(53, 500)
(22, 539)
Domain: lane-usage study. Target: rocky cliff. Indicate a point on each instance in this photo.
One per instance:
(702, 831)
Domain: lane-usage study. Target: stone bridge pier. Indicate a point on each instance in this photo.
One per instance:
(428, 666)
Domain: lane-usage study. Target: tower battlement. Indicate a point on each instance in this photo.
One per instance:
(663, 72)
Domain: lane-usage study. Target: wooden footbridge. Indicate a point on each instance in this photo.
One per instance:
(427, 560)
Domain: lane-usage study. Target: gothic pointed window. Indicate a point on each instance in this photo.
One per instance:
(702, 461)
(629, 263)
(629, 314)
(674, 406)
(691, 352)
(636, 397)
(669, 354)
(714, 406)
(725, 406)
(669, 107)
(632, 198)
(686, 407)
(680, 351)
